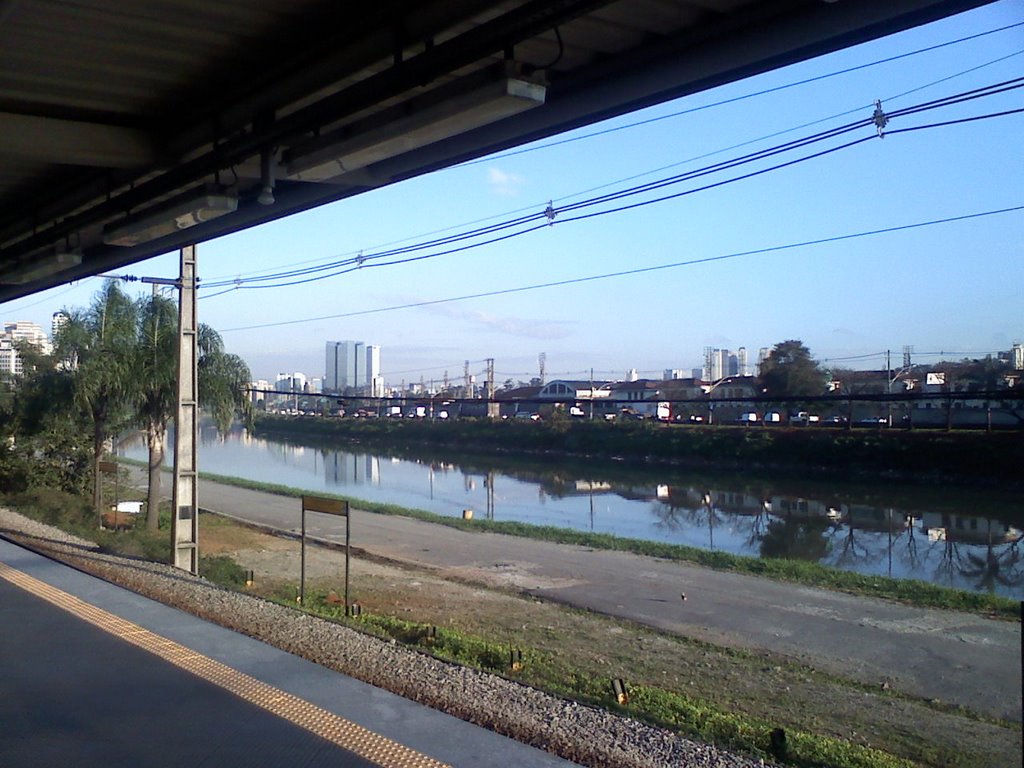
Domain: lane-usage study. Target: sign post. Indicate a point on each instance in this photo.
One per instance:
(327, 507)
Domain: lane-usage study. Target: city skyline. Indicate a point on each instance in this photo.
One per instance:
(777, 256)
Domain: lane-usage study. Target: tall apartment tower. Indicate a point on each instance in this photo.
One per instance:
(1017, 356)
(762, 355)
(58, 321)
(742, 368)
(373, 382)
(353, 365)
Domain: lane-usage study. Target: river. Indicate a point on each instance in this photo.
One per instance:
(964, 538)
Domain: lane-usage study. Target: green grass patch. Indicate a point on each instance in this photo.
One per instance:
(909, 591)
(666, 709)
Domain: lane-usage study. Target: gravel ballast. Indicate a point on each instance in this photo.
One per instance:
(573, 731)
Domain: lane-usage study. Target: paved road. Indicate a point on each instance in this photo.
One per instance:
(957, 658)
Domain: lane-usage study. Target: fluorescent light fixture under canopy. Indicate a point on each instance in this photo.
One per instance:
(449, 111)
(41, 266)
(194, 207)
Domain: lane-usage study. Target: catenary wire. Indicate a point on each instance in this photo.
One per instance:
(334, 263)
(765, 91)
(363, 261)
(639, 270)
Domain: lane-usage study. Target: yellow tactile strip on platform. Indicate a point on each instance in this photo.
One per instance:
(337, 730)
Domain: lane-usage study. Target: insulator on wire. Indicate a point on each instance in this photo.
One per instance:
(880, 119)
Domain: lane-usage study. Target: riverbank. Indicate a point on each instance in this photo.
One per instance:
(907, 591)
(969, 458)
(721, 694)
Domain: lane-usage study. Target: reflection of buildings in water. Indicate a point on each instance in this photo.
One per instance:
(969, 529)
(810, 509)
(583, 487)
(886, 520)
(351, 469)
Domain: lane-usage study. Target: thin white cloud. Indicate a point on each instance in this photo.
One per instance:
(522, 327)
(504, 183)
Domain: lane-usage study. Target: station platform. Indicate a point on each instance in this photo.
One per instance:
(95, 675)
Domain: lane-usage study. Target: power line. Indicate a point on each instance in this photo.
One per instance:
(358, 254)
(639, 270)
(525, 224)
(734, 99)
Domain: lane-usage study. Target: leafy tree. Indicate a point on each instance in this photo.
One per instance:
(223, 379)
(156, 365)
(97, 346)
(790, 371)
(42, 434)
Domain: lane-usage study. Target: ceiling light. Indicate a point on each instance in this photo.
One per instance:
(266, 196)
(188, 210)
(42, 266)
(438, 115)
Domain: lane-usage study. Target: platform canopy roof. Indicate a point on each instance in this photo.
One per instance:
(129, 129)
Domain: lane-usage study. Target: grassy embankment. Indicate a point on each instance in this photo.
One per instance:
(911, 592)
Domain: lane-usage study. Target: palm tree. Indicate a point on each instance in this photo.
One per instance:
(223, 379)
(97, 346)
(156, 365)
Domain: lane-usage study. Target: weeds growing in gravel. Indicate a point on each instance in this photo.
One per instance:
(659, 707)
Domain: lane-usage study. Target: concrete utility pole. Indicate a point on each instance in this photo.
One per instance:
(185, 501)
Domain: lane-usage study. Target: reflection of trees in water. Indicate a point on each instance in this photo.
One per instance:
(796, 539)
(850, 549)
(671, 516)
(946, 570)
(759, 523)
(853, 544)
(1001, 563)
(913, 559)
(995, 567)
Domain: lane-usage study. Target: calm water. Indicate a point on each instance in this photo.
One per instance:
(966, 539)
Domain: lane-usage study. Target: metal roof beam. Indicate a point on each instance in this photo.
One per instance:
(70, 142)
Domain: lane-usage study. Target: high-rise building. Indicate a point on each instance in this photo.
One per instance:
(10, 360)
(20, 331)
(58, 321)
(353, 366)
(1017, 356)
(23, 330)
(374, 382)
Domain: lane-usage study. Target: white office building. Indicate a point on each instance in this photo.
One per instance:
(20, 331)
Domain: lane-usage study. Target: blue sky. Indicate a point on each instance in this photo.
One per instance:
(954, 288)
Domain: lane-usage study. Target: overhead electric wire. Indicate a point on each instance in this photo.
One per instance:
(548, 217)
(637, 271)
(763, 92)
(357, 255)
